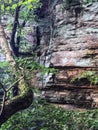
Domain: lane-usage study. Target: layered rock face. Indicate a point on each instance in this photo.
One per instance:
(69, 43)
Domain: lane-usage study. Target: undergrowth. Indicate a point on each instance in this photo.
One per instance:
(42, 116)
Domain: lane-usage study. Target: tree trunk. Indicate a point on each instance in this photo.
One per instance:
(25, 98)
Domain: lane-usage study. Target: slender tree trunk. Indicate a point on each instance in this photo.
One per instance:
(13, 44)
(5, 47)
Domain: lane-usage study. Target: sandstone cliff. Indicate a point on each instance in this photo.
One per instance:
(69, 43)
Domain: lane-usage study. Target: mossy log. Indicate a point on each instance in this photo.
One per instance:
(20, 102)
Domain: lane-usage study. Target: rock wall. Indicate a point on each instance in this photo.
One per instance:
(69, 43)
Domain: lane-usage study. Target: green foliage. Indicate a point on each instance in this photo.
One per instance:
(5, 73)
(91, 76)
(3, 64)
(8, 5)
(28, 66)
(25, 10)
(42, 116)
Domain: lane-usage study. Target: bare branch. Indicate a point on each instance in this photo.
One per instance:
(3, 103)
(2, 86)
(14, 83)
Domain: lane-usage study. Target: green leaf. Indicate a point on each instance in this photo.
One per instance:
(3, 64)
(14, 6)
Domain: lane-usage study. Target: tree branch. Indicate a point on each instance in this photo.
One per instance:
(14, 83)
(14, 29)
(3, 103)
(2, 87)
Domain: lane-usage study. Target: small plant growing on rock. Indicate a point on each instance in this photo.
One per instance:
(91, 76)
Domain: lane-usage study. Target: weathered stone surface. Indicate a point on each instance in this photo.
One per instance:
(72, 48)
